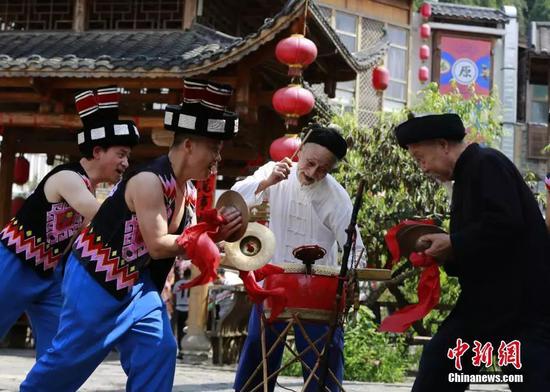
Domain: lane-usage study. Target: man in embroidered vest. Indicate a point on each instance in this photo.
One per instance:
(112, 298)
(32, 243)
(498, 249)
(307, 206)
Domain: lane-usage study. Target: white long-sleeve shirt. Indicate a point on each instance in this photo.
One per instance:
(316, 214)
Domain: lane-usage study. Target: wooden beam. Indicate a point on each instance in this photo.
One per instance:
(7, 163)
(16, 82)
(20, 96)
(67, 121)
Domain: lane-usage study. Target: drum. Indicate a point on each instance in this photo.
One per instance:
(310, 296)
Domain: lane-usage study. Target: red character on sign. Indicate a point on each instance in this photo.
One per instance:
(510, 354)
(457, 352)
(483, 354)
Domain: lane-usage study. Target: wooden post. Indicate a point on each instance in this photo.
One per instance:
(79, 16)
(7, 163)
(195, 344)
(189, 13)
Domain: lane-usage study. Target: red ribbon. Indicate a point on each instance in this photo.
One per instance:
(428, 296)
(199, 246)
(257, 294)
(428, 289)
(547, 182)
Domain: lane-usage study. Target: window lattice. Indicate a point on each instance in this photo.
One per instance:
(135, 14)
(36, 14)
(372, 32)
(368, 101)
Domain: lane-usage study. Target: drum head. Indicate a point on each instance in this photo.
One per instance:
(231, 199)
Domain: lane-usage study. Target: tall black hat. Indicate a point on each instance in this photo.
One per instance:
(99, 114)
(203, 111)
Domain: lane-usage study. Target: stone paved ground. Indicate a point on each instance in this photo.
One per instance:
(14, 364)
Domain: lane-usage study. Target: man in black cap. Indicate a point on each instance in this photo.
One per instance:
(119, 263)
(307, 206)
(498, 248)
(33, 241)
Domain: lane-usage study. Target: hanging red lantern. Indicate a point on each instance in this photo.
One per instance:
(380, 78)
(423, 74)
(285, 147)
(292, 102)
(16, 204)
(297, 52)
(425, 31)
(426, 10)
(424, 52)
(21, 170)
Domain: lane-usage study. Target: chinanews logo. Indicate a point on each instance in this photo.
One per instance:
(508, 354)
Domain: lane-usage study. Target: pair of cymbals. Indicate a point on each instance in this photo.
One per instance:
(253, 250)
(409, 237)
(253, 245)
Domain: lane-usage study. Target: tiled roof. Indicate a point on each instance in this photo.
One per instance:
(33, 52)
(468, 12)
(148, 53)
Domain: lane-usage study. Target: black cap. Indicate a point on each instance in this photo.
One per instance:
(428, 127)
(329, 138)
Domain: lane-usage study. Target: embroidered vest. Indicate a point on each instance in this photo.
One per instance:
(111, 248)
(40, 231)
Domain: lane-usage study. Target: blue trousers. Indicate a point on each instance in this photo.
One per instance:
(93, 322)
(23, 290)
(251, 354)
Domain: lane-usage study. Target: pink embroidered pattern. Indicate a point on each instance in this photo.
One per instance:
(62, 221)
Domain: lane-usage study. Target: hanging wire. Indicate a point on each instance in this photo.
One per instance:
(305, 16)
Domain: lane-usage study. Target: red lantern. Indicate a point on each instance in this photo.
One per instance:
(425, 31)
(380, 78)
(297, 52)
(16, 204)
(424, 52)
(284, 147)
(292, 102)
(21, 170)
(423, 74)
(426, 10)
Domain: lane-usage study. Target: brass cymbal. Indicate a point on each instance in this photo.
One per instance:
(253, 250)
(408, 237)
(231, 199)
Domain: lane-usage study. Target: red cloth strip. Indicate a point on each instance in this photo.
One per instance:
(428, 289)
(258, 294)
(197, 242)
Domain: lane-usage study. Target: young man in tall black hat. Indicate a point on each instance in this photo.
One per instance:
(111, 296)
(498, 248)
(32, 242)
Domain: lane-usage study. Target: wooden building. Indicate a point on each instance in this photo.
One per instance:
(50, 49)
